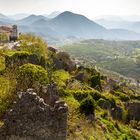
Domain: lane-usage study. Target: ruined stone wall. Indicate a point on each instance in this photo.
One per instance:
(32, 119)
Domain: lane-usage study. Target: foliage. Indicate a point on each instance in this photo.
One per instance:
(29, 74)
(75, 85)
(96, 82)
(122, 96)
(33, 44)
(7, 86)
(60, 77)
(115, 56)
(20, 54)
(2, 63)
(87, 106)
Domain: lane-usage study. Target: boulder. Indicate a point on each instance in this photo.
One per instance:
(133, 108)
(32, 119)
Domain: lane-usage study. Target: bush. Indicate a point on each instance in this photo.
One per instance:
(33, 44)
(60, 77)
(87, 106)
(7, 96)
(96, 95)
(80, 95)
(96, 82)
(122, 96)
(30, 74)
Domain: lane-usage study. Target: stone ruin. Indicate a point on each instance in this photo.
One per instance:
(33, 118)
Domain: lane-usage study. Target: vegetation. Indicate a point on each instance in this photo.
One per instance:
(119, 56)
(33, 44)
(31, 74)
(87, 106)
(89, 95)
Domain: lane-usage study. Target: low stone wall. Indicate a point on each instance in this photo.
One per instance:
(32, 119)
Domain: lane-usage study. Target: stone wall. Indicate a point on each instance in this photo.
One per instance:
(32, 119)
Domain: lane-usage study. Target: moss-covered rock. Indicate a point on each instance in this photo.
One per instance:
(87, 106)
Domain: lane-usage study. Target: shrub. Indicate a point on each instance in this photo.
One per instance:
(96, 82)
(80, 95)
(33, 44)
(122, 96)
(7, 86)
(96, 95)
(30, 74)
(87, 106)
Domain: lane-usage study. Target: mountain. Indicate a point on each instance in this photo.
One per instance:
(135, 27)
(53, 14)
(124, 34)
(18, 16)
(110, 23)
(127, 25)
(30, 19)
(3, 16)
(5, 19)
(70, 24)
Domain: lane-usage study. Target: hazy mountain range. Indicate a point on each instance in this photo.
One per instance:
(131, 23)
(67, 25)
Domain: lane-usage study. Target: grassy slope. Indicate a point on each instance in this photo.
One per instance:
(104, 128)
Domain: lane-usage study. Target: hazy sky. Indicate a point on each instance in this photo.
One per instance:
(90, 8)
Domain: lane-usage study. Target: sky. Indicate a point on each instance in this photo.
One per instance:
(89, 8)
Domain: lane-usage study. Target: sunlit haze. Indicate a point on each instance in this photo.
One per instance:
(89, 8)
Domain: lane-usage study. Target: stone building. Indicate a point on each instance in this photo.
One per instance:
(8, 33)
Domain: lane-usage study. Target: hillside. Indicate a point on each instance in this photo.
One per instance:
(118, 56)
(99, 107)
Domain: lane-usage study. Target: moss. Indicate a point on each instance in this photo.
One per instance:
(21, 54)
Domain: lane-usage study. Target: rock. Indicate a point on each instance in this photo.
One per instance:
(116, 113)
(62, 60)
(104, 104)
(32, 119)
(79, 77)
(133, 110)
